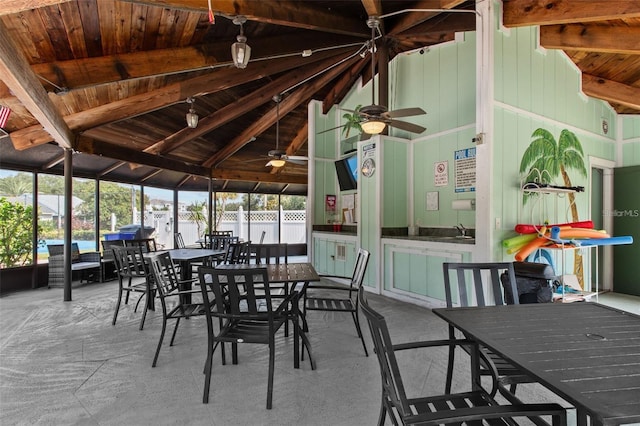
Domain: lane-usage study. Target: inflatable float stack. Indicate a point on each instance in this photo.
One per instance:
(574, 234)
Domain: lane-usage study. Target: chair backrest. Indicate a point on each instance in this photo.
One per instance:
(107, 245)
(129, 261)
(237, 253)
(262, 236)
(237, 293)
(164, 274)
(178, 241)
(208, 238)
(148, 244)
(58, 249)
(267, 254)
(359, 269)
(485, 286)
(220, 242)
(393, 388)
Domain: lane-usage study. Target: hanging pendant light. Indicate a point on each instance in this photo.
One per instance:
(192, 117)
(277, 161)
(373, 125)
(240, 50)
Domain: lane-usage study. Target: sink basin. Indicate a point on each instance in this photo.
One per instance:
(457, 237)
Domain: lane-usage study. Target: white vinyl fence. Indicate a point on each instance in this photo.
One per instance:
(290, 224)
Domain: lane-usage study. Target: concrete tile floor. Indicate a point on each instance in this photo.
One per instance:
(63, 363)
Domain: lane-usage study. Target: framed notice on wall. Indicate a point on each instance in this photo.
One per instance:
(330, 203)
(465, 176)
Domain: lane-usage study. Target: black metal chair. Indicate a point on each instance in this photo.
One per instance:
(148, 244)
(247, 314)
(237, 253)
(174, 296)
(487, 289)
(178, 241)
(347, 301)
(133, 277)
(470, 407)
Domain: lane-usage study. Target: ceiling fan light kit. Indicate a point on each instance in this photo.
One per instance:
(373, 127)
(276, 162)
(240, 50)
(192, 117)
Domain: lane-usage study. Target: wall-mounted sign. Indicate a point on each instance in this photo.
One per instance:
(368, 150)
(441, 173)
(465, 162)
(330, 203)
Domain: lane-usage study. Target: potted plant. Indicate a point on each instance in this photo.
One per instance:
(353, 122)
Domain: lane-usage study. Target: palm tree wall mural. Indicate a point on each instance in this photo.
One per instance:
(545, 160)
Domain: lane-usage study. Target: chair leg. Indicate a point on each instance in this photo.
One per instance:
(115, 314)
(207, 371)
(447, 387)
(138, 302)
(144, 313)
(383, 412)
(356, 321)
(175, 329)
(234, 353)
(164, 328)
(126, 299)
(272, 358)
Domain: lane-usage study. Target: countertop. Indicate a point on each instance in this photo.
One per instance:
(432, 238)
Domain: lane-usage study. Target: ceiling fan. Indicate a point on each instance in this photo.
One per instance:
(279, 158)
(374, 118)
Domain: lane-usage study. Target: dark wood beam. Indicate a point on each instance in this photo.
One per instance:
(299, 139)
(518, 13)
(225, 174)
(241, 106)
(592, 37)
(291, 14)
(411, 19)
(344, 84)
(611, 91)
(84, 72)
(444, 23)
(17, 6)
(289, 103)
(173, 93)
(16, 73)
(95, 147)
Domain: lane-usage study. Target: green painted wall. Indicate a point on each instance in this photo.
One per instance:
(395, 180)
(630, 140)
(533, 89)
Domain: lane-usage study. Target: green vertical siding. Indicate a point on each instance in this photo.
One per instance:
(394, 184)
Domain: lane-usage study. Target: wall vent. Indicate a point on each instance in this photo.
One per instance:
(341, 252)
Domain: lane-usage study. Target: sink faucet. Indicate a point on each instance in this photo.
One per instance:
(461, 229)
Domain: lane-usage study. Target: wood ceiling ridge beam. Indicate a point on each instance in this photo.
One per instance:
(592, 37)
(286, 13)
(240, 107)
(17, 6)
(249, 176)
(173, 93)
(411, 19)
(299, 139)
(343, 85)
(611, 91)
(518, 13)
(16, 73)
(288, 104)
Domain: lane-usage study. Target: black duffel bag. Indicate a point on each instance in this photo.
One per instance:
(533, 282)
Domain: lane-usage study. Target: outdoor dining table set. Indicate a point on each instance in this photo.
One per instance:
(249, 303)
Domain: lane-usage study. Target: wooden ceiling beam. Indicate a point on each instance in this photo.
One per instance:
(291, 14)
(592, 37)
(373, 7)
(411, 19)
(173, 93)
(611, 91)
(287, 105)
(240, 107)
(299, 139)
(17, 75)
(518, 13)
(249, 176)
(17, 6)
(445, 23)
(344, 84)
(78, 73)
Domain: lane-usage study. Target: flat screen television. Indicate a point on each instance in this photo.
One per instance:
(347, 170)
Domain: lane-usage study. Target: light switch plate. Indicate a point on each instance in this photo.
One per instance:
(432, 200)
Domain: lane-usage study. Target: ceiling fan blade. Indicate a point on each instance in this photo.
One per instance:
(405, 112)
(409, 127)
(297, 157)
(328, 130)
(299, 162)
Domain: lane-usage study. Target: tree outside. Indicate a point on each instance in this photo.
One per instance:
(15, 234)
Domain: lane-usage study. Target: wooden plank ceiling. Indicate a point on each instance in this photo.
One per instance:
(111, 78)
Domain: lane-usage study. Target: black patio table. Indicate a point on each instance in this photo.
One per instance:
(586, 353)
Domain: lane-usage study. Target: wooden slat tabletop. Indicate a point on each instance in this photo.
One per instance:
(587, 353)
(283, 272)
